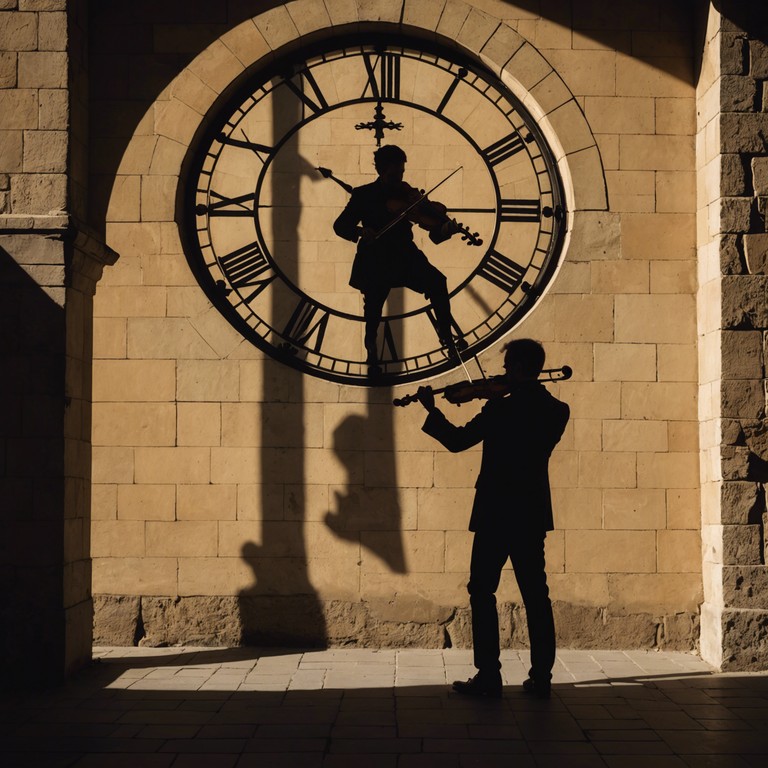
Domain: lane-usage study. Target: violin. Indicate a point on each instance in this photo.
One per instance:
(485, 389)
(407, 202)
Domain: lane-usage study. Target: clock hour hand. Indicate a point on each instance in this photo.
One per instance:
(327, 173)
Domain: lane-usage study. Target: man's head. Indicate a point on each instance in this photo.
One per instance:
(523, 359)
(389, 162)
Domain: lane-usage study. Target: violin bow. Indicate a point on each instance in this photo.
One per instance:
(421, 197)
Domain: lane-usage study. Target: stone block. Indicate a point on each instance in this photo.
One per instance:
(758, 59)
(735, 462)
(115, 619)
(125, 199)
(109, 338)
(407, 469)
(607, 470)
(117, 538)
(679, 552)
(744, 303)
(444, 509)
(635, 436)
(610, 551)
(424, 550)
(620, 276)
(165, 338)
(476, 30)
(742, 544)
(641, 509)
(587, 178)
(683, 508)
(756, 253)
(675, 115)
(52, 32)
(198, 424)
(743, 399)
(18, 31)
(740, 502)
(191, 620)
(586, 72)
(274, 502)
(134, 380)
(104, 502)
(655, 593)
(743, 132)
(675, 191)
(276, 27)
(742, 356)
(643, 77)
(181, 538)
(625, 362)
(10, 151)
(743, 645)
(425, 14)
(746, 586)
(567, 122)
(664, 401)
(207, 380)
(527, 66)
(737, 93)
(172, 465)
(7, 69)
(456, 470)
(633, 191)
(730, 256)
(206, 502)
(129, 301)
(735, 214)
(595, 235)
(668, 470)
(733, 178)
(760, 177)
(658, 153)
(38, 193)
(658, 236)
(43, 69)
(135, 575)
(246, 42)
(158, 196)
(546, 95)
(131, 424)
(452, 18)
(112, 465)
(608, 114)
(583, 318)
(577, 508)
(673, 277)
(146, 502)
(655, 318)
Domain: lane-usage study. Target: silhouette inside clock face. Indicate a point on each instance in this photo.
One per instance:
(258, 214)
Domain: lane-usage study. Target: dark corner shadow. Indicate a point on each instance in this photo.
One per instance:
(32, 421)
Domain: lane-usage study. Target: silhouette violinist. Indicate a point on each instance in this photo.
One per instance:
(393, 259)
(512, 511)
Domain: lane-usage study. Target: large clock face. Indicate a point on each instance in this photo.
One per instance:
(258, 215)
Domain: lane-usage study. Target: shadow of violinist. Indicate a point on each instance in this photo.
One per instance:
(379, 217)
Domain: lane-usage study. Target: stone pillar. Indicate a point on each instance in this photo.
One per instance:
(49, 265)
(733, 321)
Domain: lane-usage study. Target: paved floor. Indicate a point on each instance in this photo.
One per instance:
(249, 708)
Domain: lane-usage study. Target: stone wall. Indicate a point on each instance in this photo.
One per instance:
(732, 322)
(236, 501)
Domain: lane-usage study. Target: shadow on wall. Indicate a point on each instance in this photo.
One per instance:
(32, 412)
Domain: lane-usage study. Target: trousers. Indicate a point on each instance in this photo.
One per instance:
(489, 554)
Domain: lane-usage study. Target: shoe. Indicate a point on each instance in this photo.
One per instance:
(541, 690)
(479, 686)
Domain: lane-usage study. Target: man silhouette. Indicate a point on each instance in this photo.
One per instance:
(512, 511)
(392, 259)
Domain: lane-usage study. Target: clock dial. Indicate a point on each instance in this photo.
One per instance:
(259, 216)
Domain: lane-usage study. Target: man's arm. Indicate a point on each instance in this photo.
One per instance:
(453, 438)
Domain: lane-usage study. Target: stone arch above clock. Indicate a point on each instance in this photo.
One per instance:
(181, 108)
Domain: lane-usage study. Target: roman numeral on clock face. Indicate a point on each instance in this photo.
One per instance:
(503, 148)
(220, 205)
(520, 210)
(384, 83)
(307, 77)
(244, 265)
(307, 325)
(501, 271)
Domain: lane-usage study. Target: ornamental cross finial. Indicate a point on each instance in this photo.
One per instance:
(378, 124)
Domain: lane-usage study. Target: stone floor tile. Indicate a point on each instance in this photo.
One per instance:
(206, 761)
(281, 760)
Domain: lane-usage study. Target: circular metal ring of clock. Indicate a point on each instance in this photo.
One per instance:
(257, 214)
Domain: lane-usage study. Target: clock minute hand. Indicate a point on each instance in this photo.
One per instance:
(418, 200)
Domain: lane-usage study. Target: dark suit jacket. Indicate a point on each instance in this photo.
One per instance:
(385, 262)
(518, 433)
